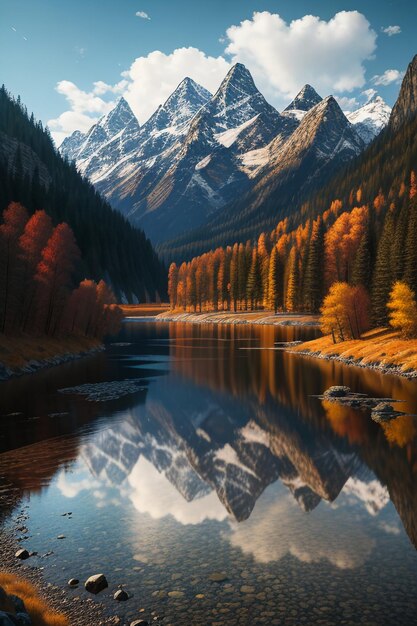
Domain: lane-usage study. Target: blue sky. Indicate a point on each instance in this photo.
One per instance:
(66, 58)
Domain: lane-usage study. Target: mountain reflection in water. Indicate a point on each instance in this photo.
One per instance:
(225, 430)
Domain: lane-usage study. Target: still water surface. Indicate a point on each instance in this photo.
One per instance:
(217, 463)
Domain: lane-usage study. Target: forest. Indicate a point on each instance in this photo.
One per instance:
(380, 169)
(33, 173)
(344, 255)
(38, 295)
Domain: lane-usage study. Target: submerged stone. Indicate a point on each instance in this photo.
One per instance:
(337, 391)
(96, 583)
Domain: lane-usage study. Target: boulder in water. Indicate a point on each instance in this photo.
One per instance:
(96, 583)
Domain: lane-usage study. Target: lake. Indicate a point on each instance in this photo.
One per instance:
(194, 465)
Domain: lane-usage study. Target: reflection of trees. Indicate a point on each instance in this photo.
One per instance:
(35, 396)
(400, 431)
(346, 423)
(281, 386)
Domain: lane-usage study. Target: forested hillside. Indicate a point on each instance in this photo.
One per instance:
(381, 168)
(33, 173)
(361, 230)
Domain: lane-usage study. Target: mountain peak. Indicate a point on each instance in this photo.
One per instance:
(238, 79)
(188, 91)
(305, 100)
(118, 118)
(179, 108)
(370, 118)
(406, 106)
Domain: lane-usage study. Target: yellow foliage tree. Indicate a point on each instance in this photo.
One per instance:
(345, 312)
(334, 318)
(403, 309)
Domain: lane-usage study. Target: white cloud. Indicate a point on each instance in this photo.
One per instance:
(284, 56)
(100, 87)
(309, 538)
(368, 94)
(347, 104)
(388, 77)
(143, 15)
(152, 78)
(281, 56)
(152, 493)
(85, 109)
(391, 30)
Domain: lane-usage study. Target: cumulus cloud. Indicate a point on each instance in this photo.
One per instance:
(388, 77)
(309, 538)
(347, 104)
(284, 56)
(143, 15)
(152, 493)
(85, 109)
(391, 30)
(152, 78)
(368, 94)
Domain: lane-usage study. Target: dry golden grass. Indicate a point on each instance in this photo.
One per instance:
(40, 613)
(143, 310)
(231, 317)
(15, 352)
(380, 346)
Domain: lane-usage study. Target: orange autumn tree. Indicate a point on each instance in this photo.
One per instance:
(54, 275)
(173, 285)
(345, 312)
(38, 230)
(341, 244)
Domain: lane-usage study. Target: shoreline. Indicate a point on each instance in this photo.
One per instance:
(260, 318)
(28, 355)
(380, 350)
(79, 609)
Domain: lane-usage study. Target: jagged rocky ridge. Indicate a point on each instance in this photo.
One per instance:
(205, 449)
(198, 153)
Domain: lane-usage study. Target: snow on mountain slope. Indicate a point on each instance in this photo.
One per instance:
(197, 153)
(228, 137)
(306, 99)
(371, 118)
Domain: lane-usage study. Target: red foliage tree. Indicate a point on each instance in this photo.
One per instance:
(53, 276)
(33, 240)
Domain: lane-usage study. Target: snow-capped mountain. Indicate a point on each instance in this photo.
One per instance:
(305, 100)
(371, 118)
(321, 143)
(197, 153)
(202, 172)
(208, 447)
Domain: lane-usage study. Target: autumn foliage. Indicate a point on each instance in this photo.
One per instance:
(37, 266)
(40, 613)
(355, 255)
(403, 309)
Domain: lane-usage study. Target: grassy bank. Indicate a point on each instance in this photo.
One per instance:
(143, 310)
(381, 348)
(240, 317)
(18, 354)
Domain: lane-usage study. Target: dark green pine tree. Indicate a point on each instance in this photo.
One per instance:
(234, 277)
(399, 243)
(383, 274)
(254, 284)
(242, 276)
(410, 265)
(362, 265)
(313, 276)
